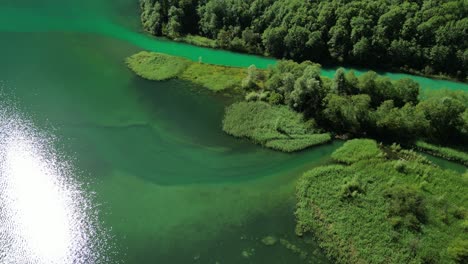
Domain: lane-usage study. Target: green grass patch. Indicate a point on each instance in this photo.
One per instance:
(214, 77)
(443, 152)
(397, 208)
(198, 41)
(160, 67)
(276, 127)
(356, 150)
(157, 66)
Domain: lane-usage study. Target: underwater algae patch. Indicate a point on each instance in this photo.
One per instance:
(187, 215)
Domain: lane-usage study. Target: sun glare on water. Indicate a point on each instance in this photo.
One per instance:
(44, 215)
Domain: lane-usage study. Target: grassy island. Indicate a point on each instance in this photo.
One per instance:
(391, 206)
(159, 67)
(276, 127)
(443, 152)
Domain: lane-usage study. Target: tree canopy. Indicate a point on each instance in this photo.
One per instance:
(426, 36)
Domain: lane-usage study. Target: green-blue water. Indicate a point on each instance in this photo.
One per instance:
(131, 171)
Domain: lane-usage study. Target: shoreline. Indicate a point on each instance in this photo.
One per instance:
(392, 70)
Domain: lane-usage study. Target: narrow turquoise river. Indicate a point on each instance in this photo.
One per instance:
(100, 166)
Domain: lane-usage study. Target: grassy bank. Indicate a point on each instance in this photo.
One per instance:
(394, 207)
(198, 41)
(275, 127)
(443, 152)
(160, 67)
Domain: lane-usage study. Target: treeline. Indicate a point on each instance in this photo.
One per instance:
(421, 35)
(368, 105)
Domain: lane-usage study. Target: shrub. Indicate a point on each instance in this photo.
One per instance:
(458, 250)
(275, 98)
(407, 207)
(351, 189)
(252, 96)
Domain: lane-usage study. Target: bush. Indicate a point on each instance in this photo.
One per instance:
(407, 207)
(458, 250)
(275, 98)
(351, 189)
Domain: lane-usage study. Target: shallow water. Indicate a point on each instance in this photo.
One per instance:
(99, 166)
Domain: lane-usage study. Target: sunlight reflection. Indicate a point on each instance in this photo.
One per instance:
(44, 216)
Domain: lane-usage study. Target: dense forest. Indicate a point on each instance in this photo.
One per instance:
(424, 36)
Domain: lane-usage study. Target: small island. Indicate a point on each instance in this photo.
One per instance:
(384, 204)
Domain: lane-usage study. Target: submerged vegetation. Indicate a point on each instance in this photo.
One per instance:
(427, 37)
(390, 207)
(275, 127)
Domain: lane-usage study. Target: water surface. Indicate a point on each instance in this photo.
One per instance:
(100, 166)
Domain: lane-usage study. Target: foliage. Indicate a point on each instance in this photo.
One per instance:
(427, 36)
(399, 123)
(444, 110)
(370, 105)
(396, 208)
(444, 152)
(275, 127)
(356, 150)
(407, 207)
(458, 250)
(346, 113)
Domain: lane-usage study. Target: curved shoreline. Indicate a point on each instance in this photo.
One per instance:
(106, 27)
